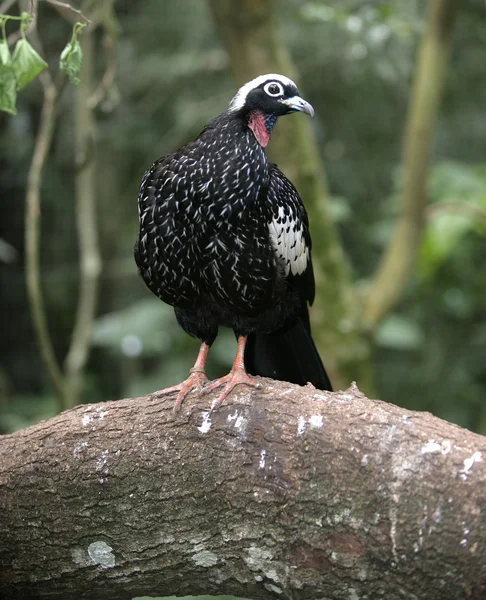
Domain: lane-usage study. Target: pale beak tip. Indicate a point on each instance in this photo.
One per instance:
(299, 104)
(310, 110)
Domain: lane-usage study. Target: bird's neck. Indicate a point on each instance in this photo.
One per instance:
(261, 124)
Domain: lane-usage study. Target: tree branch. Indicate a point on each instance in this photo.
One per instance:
(285, 492)
(399, 259)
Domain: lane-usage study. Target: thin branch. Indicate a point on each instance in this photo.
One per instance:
(66, 391)
(85, 184)
(108, 76)
(70, 13)
(90, 260)
(399, 258)
(32, 237)
(7, 5)
(52, 92)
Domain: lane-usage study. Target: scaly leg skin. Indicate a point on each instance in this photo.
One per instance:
(236, 376)
(195, 381)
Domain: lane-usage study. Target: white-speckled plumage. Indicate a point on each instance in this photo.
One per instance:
(224, 236)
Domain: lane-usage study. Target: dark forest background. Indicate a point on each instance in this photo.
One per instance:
(166, 68)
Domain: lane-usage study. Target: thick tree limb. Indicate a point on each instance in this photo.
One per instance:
(285, 492)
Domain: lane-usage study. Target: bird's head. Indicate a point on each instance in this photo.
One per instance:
(264, 99)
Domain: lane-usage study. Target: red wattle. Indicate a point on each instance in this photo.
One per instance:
(257, 124)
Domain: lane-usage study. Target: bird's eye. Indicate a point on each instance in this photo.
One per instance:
(273, 89)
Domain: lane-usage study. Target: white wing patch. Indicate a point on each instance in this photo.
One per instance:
(287, 238)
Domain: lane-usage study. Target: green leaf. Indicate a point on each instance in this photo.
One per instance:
(5, 58)
(70, 61)
(27, 63)
(72, 55)
(8, 82)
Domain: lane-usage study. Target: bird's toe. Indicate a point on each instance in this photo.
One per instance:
(229, 382)
(195, 382)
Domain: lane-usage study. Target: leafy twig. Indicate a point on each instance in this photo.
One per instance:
(16, 35)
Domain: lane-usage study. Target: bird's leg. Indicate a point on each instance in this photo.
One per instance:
(236, 376)
(196, 379)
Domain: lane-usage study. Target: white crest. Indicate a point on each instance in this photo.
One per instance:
(240, 98)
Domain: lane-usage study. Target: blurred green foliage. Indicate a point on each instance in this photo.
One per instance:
(458, 208)
(355, 61)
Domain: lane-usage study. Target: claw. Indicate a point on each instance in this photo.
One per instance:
(236, 376)
(195, 381)
(229, 381)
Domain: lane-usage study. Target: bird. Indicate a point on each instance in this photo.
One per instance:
(224, 239)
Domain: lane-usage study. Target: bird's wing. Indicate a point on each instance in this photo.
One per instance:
(289, 233)
(166, 251)
(289, 354)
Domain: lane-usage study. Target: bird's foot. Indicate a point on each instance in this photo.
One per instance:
(195, 381)
(229, 381)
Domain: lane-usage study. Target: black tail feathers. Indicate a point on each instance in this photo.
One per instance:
(288, 354)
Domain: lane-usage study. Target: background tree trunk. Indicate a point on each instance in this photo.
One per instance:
(285, 492)
(255, 46)
(399, 259)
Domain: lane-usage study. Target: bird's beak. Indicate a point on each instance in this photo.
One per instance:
(298, 103)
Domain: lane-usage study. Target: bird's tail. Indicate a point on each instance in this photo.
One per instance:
(288, 354)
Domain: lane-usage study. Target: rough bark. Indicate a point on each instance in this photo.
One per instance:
(284, 492)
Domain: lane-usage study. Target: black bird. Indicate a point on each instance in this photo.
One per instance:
(224, 239)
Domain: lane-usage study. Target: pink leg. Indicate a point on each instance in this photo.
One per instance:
(196, 379)
(236, 376)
